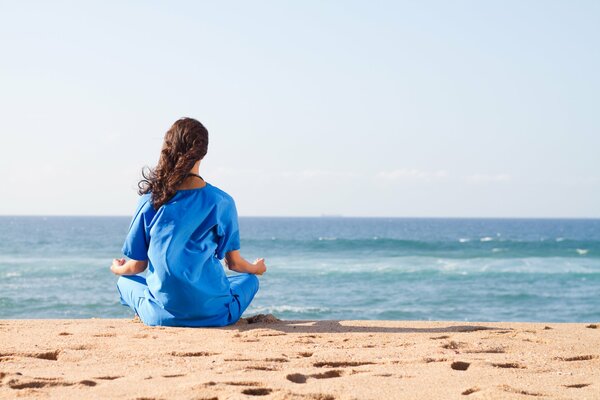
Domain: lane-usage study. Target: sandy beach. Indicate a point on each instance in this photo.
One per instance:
(319, 360)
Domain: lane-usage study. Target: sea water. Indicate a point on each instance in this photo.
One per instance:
(332, 268)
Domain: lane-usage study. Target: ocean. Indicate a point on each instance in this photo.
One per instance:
(332, 268)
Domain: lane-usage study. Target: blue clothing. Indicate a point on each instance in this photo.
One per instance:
(133, 289)
(183, 241)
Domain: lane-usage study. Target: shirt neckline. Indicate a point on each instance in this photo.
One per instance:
(192, 189)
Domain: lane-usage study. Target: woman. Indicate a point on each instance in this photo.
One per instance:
(182, 227)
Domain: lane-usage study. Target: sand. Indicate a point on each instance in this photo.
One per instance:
(319, 360)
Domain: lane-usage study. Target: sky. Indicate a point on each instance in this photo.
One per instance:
(353, 108)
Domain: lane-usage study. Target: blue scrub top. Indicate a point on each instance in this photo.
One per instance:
(183, 242)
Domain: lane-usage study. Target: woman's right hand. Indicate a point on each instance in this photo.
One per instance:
(117, 266)
(259, 266)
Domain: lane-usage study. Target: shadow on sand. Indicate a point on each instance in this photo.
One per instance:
(332, 326)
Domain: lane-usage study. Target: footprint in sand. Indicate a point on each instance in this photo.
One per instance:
(337, 364)
(470, 391)
(108, 377)
(510, 389)
(334, 373)
(257, 391)
(19, 384)
(301, 378)
(239, 383)
(192, 353)
(487, 350)
(304, 341)
(460, 365)
(297, 378)
(577, 385)
(577, 358)
(262, 368)
(509, 365)
(312, 396)
(38, 383)
(81, 347)
(48, 355)
(431, 360)
(106, 334)
(452, 345)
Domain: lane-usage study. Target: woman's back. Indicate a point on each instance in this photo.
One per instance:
(185, 238)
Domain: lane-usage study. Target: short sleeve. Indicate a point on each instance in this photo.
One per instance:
(137, 240)
(228, 231)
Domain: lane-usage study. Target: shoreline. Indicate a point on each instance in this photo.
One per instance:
(312, 359)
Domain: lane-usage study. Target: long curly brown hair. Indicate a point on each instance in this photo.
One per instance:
(185, 143)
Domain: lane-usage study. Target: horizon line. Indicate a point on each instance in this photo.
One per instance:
(323, 216)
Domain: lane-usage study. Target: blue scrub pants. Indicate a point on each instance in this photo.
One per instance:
(243, 288)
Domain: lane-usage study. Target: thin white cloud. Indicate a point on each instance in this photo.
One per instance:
(315, 173)
(288, 174)
(412, 174)
(235, 172)
(479, 179)
(418, 175)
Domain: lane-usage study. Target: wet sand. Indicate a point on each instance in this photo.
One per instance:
(319, 360)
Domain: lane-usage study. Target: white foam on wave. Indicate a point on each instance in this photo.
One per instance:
(12, 274)
(447, 265)
(497, 250)
(534, 265)
(420, 264)
(582, 252)
(327, 238)
(486, 239)
(559, 239)
(464, 240)
(288, 308)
